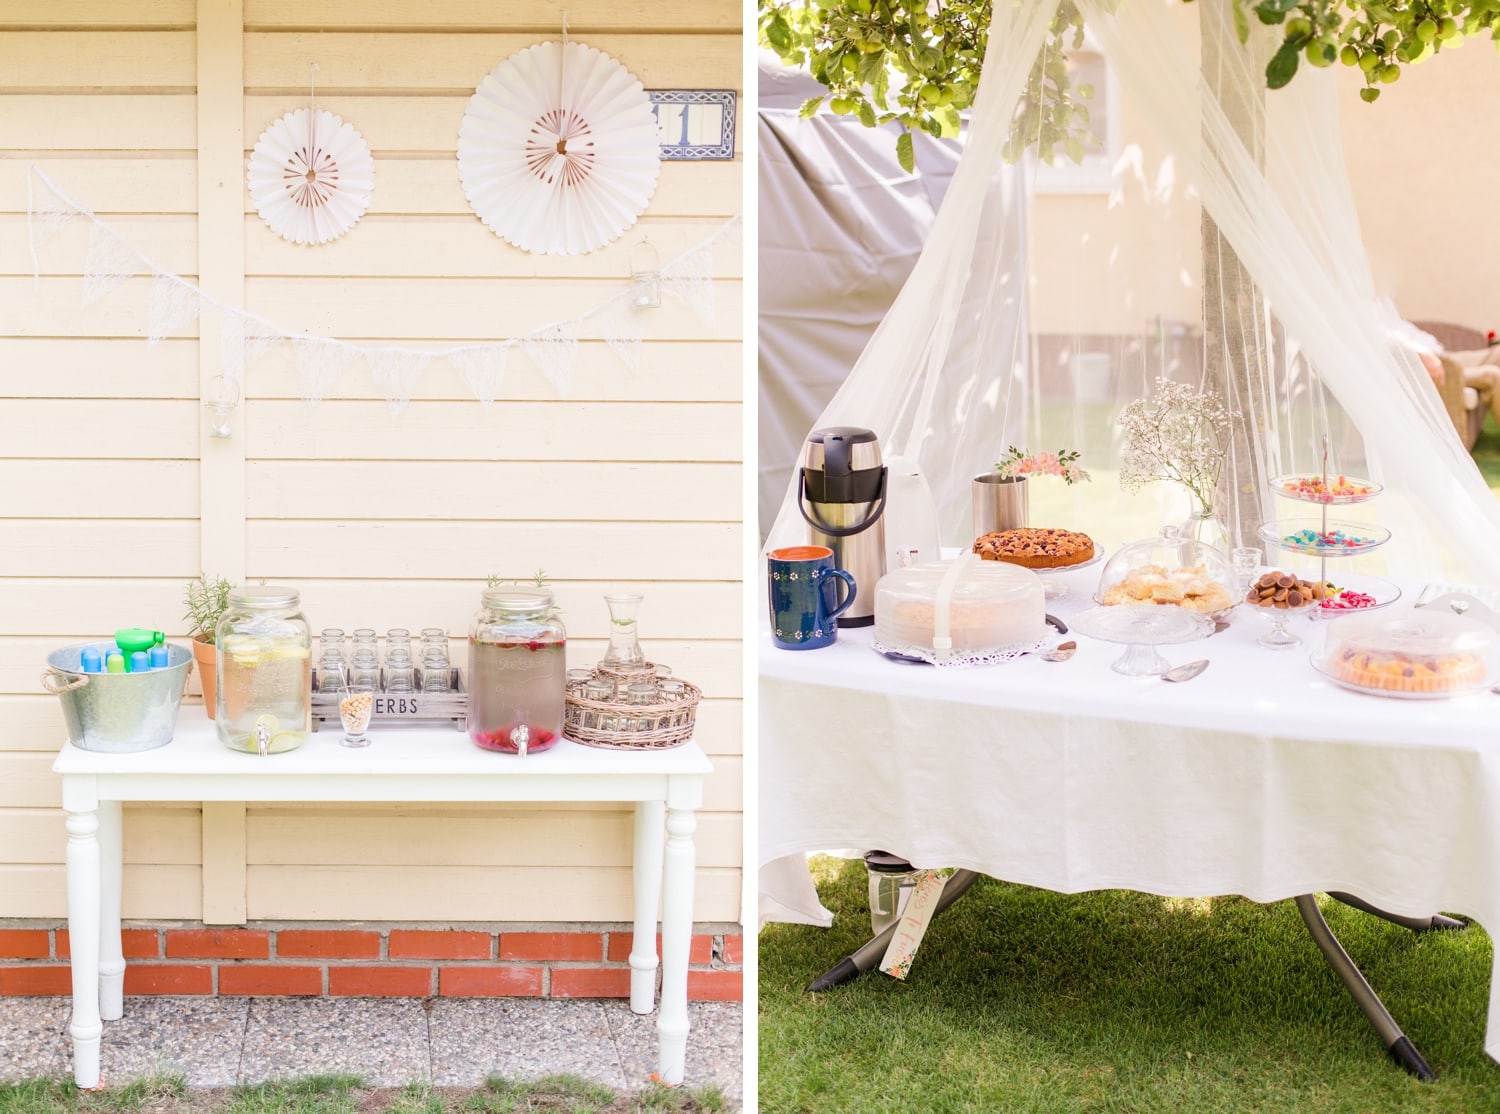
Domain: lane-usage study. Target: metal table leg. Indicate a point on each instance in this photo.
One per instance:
(1396, 1042)
(1435, 923)
(867, 957)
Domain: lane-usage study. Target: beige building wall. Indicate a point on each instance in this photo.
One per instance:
(1425, 170)
(112, 495)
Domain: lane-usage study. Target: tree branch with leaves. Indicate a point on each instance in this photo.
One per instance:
(916, 63)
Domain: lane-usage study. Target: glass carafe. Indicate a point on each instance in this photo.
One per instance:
(517, 672)
(624, 646)
(264, 703)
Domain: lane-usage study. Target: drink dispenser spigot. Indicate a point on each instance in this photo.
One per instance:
(842, 495)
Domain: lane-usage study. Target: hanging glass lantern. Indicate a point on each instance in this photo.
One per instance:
(645, 276)
(220, 398)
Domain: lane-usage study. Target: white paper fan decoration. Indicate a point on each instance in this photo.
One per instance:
(310, 176)
(559, 150)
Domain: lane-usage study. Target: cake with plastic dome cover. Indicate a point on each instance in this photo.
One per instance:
(1409, 653)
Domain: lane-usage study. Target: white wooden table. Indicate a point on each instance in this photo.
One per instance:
(401, 764)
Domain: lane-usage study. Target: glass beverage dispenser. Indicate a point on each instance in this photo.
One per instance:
(264, 703)
(517, 672)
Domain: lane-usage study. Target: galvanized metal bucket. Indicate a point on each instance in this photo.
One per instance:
(117, 712)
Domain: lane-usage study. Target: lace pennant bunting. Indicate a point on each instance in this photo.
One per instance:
(482, 369)
(690, 279)
(554, 350)
(623, 328)
(242, 341)
(396, 371)
(44, 219)
(320, 363)
(173, 304)
(111, 261)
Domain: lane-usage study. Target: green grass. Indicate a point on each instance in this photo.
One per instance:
(348, 1094)
(1022, 1000)
(1487, 453)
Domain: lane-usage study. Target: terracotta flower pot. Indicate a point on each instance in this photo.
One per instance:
(205, 656)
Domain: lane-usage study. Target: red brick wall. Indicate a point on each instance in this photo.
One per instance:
(497, 961)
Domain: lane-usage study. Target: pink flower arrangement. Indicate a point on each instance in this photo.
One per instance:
(1016, 464)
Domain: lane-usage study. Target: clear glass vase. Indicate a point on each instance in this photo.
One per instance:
(1202, 525)
(624, 646)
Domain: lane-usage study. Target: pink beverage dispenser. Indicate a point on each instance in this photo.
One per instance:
(517, 672)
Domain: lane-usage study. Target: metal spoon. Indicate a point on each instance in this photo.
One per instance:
(1186, 672)
(1062, 652)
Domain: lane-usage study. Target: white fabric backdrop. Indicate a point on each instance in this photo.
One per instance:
(1286, 209)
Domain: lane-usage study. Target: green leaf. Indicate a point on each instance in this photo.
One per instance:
(1241, 22)
(932, 127)
(947, 116)
(1269, 14)
(1074, 146)
(779, 34)
(905, 155)
(1283, 65)
(809, 107)
(866, 113)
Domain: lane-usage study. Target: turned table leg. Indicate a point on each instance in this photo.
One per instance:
(647, 871)
(111, 957)
(679, 862)
(83, 861)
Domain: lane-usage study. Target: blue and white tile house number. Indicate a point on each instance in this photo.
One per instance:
(695, 124)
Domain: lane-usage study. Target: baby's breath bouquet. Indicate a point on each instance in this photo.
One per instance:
(1181, 435)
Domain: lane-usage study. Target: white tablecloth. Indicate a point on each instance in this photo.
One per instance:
(1259, 778)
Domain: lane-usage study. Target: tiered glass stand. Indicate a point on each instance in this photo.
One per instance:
(1315, 537)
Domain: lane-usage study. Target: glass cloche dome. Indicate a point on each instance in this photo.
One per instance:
(1170, 570)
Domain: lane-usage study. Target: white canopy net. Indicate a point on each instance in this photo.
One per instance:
(1229, 257)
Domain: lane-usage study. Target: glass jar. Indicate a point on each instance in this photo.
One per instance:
(332, 668)
(517, 672)
(435, 667)
(364, 669)
(264, 671)
(400, 670)
(892, 882)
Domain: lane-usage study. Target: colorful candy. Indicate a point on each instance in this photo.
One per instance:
(1347, 600)
(1319, 539)
(1316, 489)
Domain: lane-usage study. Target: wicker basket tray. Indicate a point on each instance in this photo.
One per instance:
(611, 725)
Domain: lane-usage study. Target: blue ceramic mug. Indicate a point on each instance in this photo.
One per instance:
(804, 591)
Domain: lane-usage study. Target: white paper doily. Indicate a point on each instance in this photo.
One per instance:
(559, 151)
(311, 176)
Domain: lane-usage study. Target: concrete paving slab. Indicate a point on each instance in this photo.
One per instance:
(521, 1038)
(33, 1038)
(197, 1037)
(384, 1040)
(714, 1052)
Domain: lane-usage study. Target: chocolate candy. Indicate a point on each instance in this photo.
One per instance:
(1283, 591)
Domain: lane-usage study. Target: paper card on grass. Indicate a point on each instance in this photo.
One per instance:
(920, 908)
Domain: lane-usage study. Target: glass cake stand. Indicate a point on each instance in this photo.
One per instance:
(1140, 629)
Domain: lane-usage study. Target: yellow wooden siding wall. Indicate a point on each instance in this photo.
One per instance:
(111, 496)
